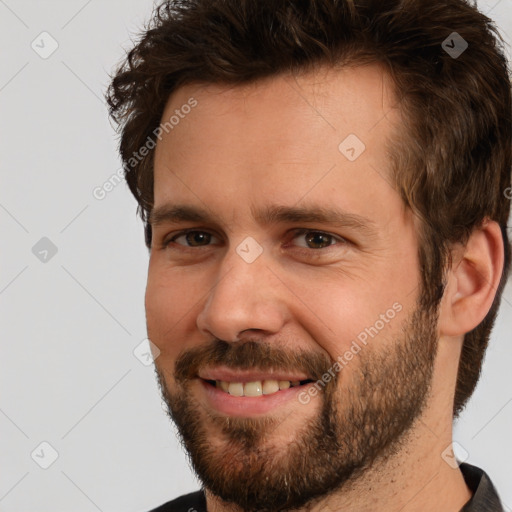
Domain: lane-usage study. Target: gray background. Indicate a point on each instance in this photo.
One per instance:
(70, 324)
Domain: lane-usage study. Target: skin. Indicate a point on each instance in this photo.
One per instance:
(275, 142)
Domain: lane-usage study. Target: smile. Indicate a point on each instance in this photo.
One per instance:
(251, 398)
(255, 388)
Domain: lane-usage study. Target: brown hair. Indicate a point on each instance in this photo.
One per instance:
(452, 159)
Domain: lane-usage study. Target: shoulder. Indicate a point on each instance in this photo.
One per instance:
(193, 502)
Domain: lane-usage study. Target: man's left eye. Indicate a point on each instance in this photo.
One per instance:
(317, 239)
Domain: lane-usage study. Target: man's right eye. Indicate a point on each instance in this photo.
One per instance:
(191, 238)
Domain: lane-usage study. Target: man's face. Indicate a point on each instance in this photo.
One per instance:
(277, 253)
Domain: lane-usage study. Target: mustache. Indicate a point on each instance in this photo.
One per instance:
(249, 355)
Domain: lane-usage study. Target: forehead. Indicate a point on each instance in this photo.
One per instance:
(353, 82)
(286, 129)
(358, 95)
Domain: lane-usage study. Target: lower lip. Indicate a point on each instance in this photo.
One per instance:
(248, 406)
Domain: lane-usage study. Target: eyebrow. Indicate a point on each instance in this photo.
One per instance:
(269, 215)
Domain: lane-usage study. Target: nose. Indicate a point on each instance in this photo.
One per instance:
(246, 298)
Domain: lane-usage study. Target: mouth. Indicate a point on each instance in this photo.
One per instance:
(250, 393)
(255, 388)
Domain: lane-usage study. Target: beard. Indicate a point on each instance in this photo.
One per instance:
(361, 421)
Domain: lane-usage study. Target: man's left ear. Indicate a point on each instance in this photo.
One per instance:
(472, 281)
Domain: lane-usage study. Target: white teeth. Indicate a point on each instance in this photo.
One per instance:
(270, 386)
(255, 388)
(236, 389)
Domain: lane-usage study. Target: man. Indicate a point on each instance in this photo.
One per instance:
(323, 186)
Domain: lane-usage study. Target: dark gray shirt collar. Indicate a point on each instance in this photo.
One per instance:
(485, 497)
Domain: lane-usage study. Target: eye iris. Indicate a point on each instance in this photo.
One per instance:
(318, 239)
(195, 238)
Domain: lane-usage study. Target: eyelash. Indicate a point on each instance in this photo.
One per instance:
(296, 233)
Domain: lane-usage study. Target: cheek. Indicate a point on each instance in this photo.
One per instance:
(346, 316)
(169, 303)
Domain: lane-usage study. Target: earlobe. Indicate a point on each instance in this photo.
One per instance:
(472, 281)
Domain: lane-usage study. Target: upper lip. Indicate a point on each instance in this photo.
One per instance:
(230, 375)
